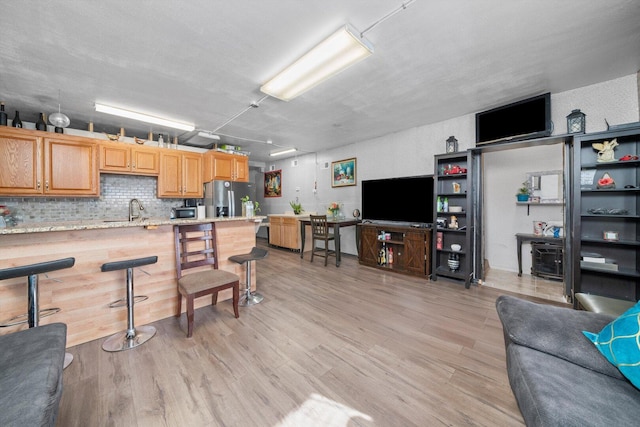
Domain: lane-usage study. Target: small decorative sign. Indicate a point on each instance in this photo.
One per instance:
(610, 235)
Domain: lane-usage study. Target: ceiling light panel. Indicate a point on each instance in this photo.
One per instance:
(340, 50)
(280, 153)
(142, 117)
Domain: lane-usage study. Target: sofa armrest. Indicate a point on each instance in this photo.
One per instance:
(556, 331)
(31, 363)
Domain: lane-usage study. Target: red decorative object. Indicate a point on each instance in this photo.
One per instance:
(606, 181)
(454, 170)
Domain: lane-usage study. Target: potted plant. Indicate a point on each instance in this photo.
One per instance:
(523, 192)
(254, 207)
(297, 207)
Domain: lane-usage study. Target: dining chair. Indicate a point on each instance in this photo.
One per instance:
(320, 232)
(196, 249)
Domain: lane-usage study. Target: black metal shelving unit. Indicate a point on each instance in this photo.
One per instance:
(606, 221)
(452, 170)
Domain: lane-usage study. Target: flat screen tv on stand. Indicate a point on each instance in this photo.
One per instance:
(400, 201)
(526, 119)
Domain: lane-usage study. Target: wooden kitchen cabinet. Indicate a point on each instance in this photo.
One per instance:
(226, 166)
(129, 159)
(284, 231)
(180, 175)
(35, 163)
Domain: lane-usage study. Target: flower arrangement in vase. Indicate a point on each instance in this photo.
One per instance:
(334, 208)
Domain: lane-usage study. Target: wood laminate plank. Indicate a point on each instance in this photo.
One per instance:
(327, 347)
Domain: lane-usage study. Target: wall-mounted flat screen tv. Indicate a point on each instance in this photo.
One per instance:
(407, 200)
(526, 119)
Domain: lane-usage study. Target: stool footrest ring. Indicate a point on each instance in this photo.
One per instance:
(23, 318)
(122, 302)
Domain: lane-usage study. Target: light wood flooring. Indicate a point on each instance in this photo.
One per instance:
(527, 284)
(348, 346)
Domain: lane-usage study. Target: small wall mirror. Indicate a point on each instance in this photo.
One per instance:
(546, 187)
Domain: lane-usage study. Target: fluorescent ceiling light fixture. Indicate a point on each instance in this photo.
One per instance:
(280, 153)
(208, 135)
(340, 50)
(101, 108)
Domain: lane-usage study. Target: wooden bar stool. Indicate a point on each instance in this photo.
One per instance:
(133, 336)
(249, 298)
(31, 271)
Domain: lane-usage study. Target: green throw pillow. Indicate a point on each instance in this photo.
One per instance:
(619, 342)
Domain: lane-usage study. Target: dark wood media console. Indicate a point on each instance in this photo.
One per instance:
(410, 248)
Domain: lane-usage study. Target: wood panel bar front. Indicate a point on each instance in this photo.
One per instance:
(83, 292)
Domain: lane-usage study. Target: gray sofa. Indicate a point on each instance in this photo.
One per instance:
(558, 377)
(31, 375)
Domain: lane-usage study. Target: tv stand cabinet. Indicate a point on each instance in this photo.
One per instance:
(411, 248)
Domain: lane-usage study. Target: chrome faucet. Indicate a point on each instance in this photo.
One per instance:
(140, 208)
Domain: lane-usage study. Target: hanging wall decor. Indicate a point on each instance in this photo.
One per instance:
(343, 173)
(273, 183)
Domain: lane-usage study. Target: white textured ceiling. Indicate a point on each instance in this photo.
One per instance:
(203, 61)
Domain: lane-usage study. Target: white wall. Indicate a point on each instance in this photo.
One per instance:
(614, 100)
(504, 171)
(410, 152)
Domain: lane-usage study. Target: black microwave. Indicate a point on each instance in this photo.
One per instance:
(186, 213)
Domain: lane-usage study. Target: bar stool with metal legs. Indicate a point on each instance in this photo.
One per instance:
(133, 336)
(34, 313)
(249, 298)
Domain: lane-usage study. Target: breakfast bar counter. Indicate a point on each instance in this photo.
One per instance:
(83, 292)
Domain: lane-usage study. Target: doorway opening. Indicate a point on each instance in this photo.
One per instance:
(522, 245)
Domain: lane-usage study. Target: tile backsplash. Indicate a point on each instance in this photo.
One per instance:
(113, 203)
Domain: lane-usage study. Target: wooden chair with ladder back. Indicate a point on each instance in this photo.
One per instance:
(196, 248)
(320, 232)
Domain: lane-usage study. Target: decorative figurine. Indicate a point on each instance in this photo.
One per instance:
(606, 182)
(605, 150)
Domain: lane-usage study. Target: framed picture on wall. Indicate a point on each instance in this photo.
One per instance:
(343, 173)
(273, 183)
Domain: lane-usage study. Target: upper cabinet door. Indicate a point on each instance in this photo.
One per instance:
(115, 158)
(169, 180)
(223, 166)
(145, 161)
(192, 176)
(241, 168)
(21, 170)
(71, 167)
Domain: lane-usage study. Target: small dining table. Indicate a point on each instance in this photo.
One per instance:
(337, 223)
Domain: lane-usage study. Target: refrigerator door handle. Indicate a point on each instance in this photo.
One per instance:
(232, 208)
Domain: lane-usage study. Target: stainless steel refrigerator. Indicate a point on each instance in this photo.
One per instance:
(222, 198)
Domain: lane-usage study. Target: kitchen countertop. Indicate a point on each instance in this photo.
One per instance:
(96, 224)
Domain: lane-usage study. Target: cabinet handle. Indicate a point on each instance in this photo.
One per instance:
(38, 185)
(128, 165)
(46, 185)
(134, 165)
